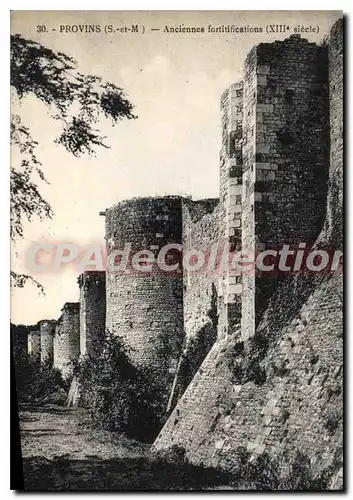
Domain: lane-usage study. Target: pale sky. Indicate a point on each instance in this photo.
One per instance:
(175, 82)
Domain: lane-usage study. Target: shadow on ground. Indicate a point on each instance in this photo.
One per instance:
(128, 474)
(62, 452)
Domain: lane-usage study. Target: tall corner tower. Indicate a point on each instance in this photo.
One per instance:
(231, 170)
(285, 157)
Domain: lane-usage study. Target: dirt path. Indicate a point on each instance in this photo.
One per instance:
(61, 453)
(54, 431)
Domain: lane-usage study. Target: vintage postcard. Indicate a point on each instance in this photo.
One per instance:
(177, 250)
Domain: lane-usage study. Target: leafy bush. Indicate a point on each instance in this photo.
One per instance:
(36, 383)
(117, 395)
(245, 359)
(174, 454)
(194, 353)
(276, 472)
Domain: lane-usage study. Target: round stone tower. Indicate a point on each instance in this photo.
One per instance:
(34, 346)
(145, 304)
(47, 332)
(67, 338)
(92, 312)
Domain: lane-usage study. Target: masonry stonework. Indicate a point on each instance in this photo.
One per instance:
(67, 338)
(92, 312)
(287, 397)
(201, 234)
(231, 189)
(241, 359)
(291, 411)
(47, 332)
(286, 156)
(146, 308)
(333, 230)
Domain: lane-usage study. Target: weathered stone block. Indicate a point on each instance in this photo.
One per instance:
(263, 69)
(262, 80)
